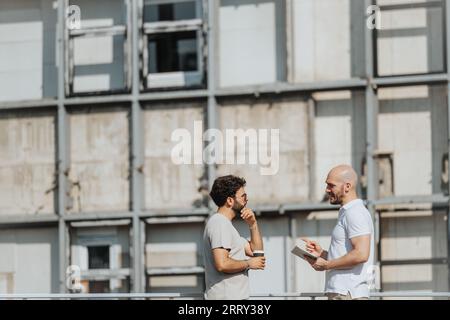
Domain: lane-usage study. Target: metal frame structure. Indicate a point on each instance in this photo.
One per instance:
(134, 100)
(198, 296)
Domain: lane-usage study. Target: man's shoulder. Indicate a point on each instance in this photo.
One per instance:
(216, 219)
(357, 211)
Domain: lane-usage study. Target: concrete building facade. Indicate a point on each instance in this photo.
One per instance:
(87, 114)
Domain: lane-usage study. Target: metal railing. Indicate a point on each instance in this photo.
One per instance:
(173, 296)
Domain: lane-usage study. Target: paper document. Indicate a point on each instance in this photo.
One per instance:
(301, 252)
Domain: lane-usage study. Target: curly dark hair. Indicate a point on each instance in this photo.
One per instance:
(224, 187)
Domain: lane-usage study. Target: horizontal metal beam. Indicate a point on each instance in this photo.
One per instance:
(105, 274)
(175, 271)
(100, 99)
(170, 220)
(98, 31)
(100, 223)
(174, 212)
(435, 200)
(28, 219)
(410, 80)
(97, 216)
(234, 91)
(21, 104)
(159, 216)
(174, 295)
(283, 87)
(172, 26)
(413, 262)
(173, 95)
(412, 5)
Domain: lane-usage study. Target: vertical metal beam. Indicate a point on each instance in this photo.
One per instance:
(447, 57)
(211, 111)
(371, 124)
(311, 150)
(290, 263)
(62, 148)
(137, 158)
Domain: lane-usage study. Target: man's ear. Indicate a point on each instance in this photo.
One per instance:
(348, 186)
(230, 202)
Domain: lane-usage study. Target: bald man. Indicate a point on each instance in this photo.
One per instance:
(349, 259)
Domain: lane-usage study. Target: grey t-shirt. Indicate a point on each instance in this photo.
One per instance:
(220, 233)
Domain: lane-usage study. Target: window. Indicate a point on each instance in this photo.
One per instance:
(406, 25)
(98, 257)
(173, 42)
(98, 54)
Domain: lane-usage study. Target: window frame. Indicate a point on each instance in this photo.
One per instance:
(175, 79)
(69, 38)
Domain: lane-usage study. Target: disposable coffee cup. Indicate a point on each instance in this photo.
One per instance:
(258, 253)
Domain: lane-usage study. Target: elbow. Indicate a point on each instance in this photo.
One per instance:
(362, 258)
(220, 267)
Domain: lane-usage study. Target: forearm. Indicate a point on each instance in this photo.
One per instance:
(348, 261)
(233, 266)
(256, 242)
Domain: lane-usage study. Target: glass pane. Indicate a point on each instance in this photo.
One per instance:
(99, 286)
(173, 52)
(98, 257)
(169, 12)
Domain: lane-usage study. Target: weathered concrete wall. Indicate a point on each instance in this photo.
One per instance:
(27, 50)
(324, 32)
(275, 277)
(174, 245)
(98, 70)
(332, 135)
(403, 29)
(404, 128)
(250, 42)
(99, 146)
(27, 163)
(29, 261)
(316, 226)
(289, 115)
(409, 236)
(168, 185)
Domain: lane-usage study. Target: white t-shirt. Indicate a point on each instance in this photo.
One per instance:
(220, 233)
(354, 220)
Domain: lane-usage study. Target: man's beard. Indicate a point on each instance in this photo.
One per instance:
(336, 200)
(237, 207)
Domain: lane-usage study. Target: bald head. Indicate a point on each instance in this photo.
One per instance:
(341, 184)
(345, 174)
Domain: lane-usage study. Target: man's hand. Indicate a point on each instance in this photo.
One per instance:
(313, 247)
(318, 264)
(257, 263)
(248, 216)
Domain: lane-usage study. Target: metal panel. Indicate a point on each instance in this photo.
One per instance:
(447, 32)
(137, 158)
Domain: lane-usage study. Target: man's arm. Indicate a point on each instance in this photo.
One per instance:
(256, 242)
(225, 264)
(359, 254)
